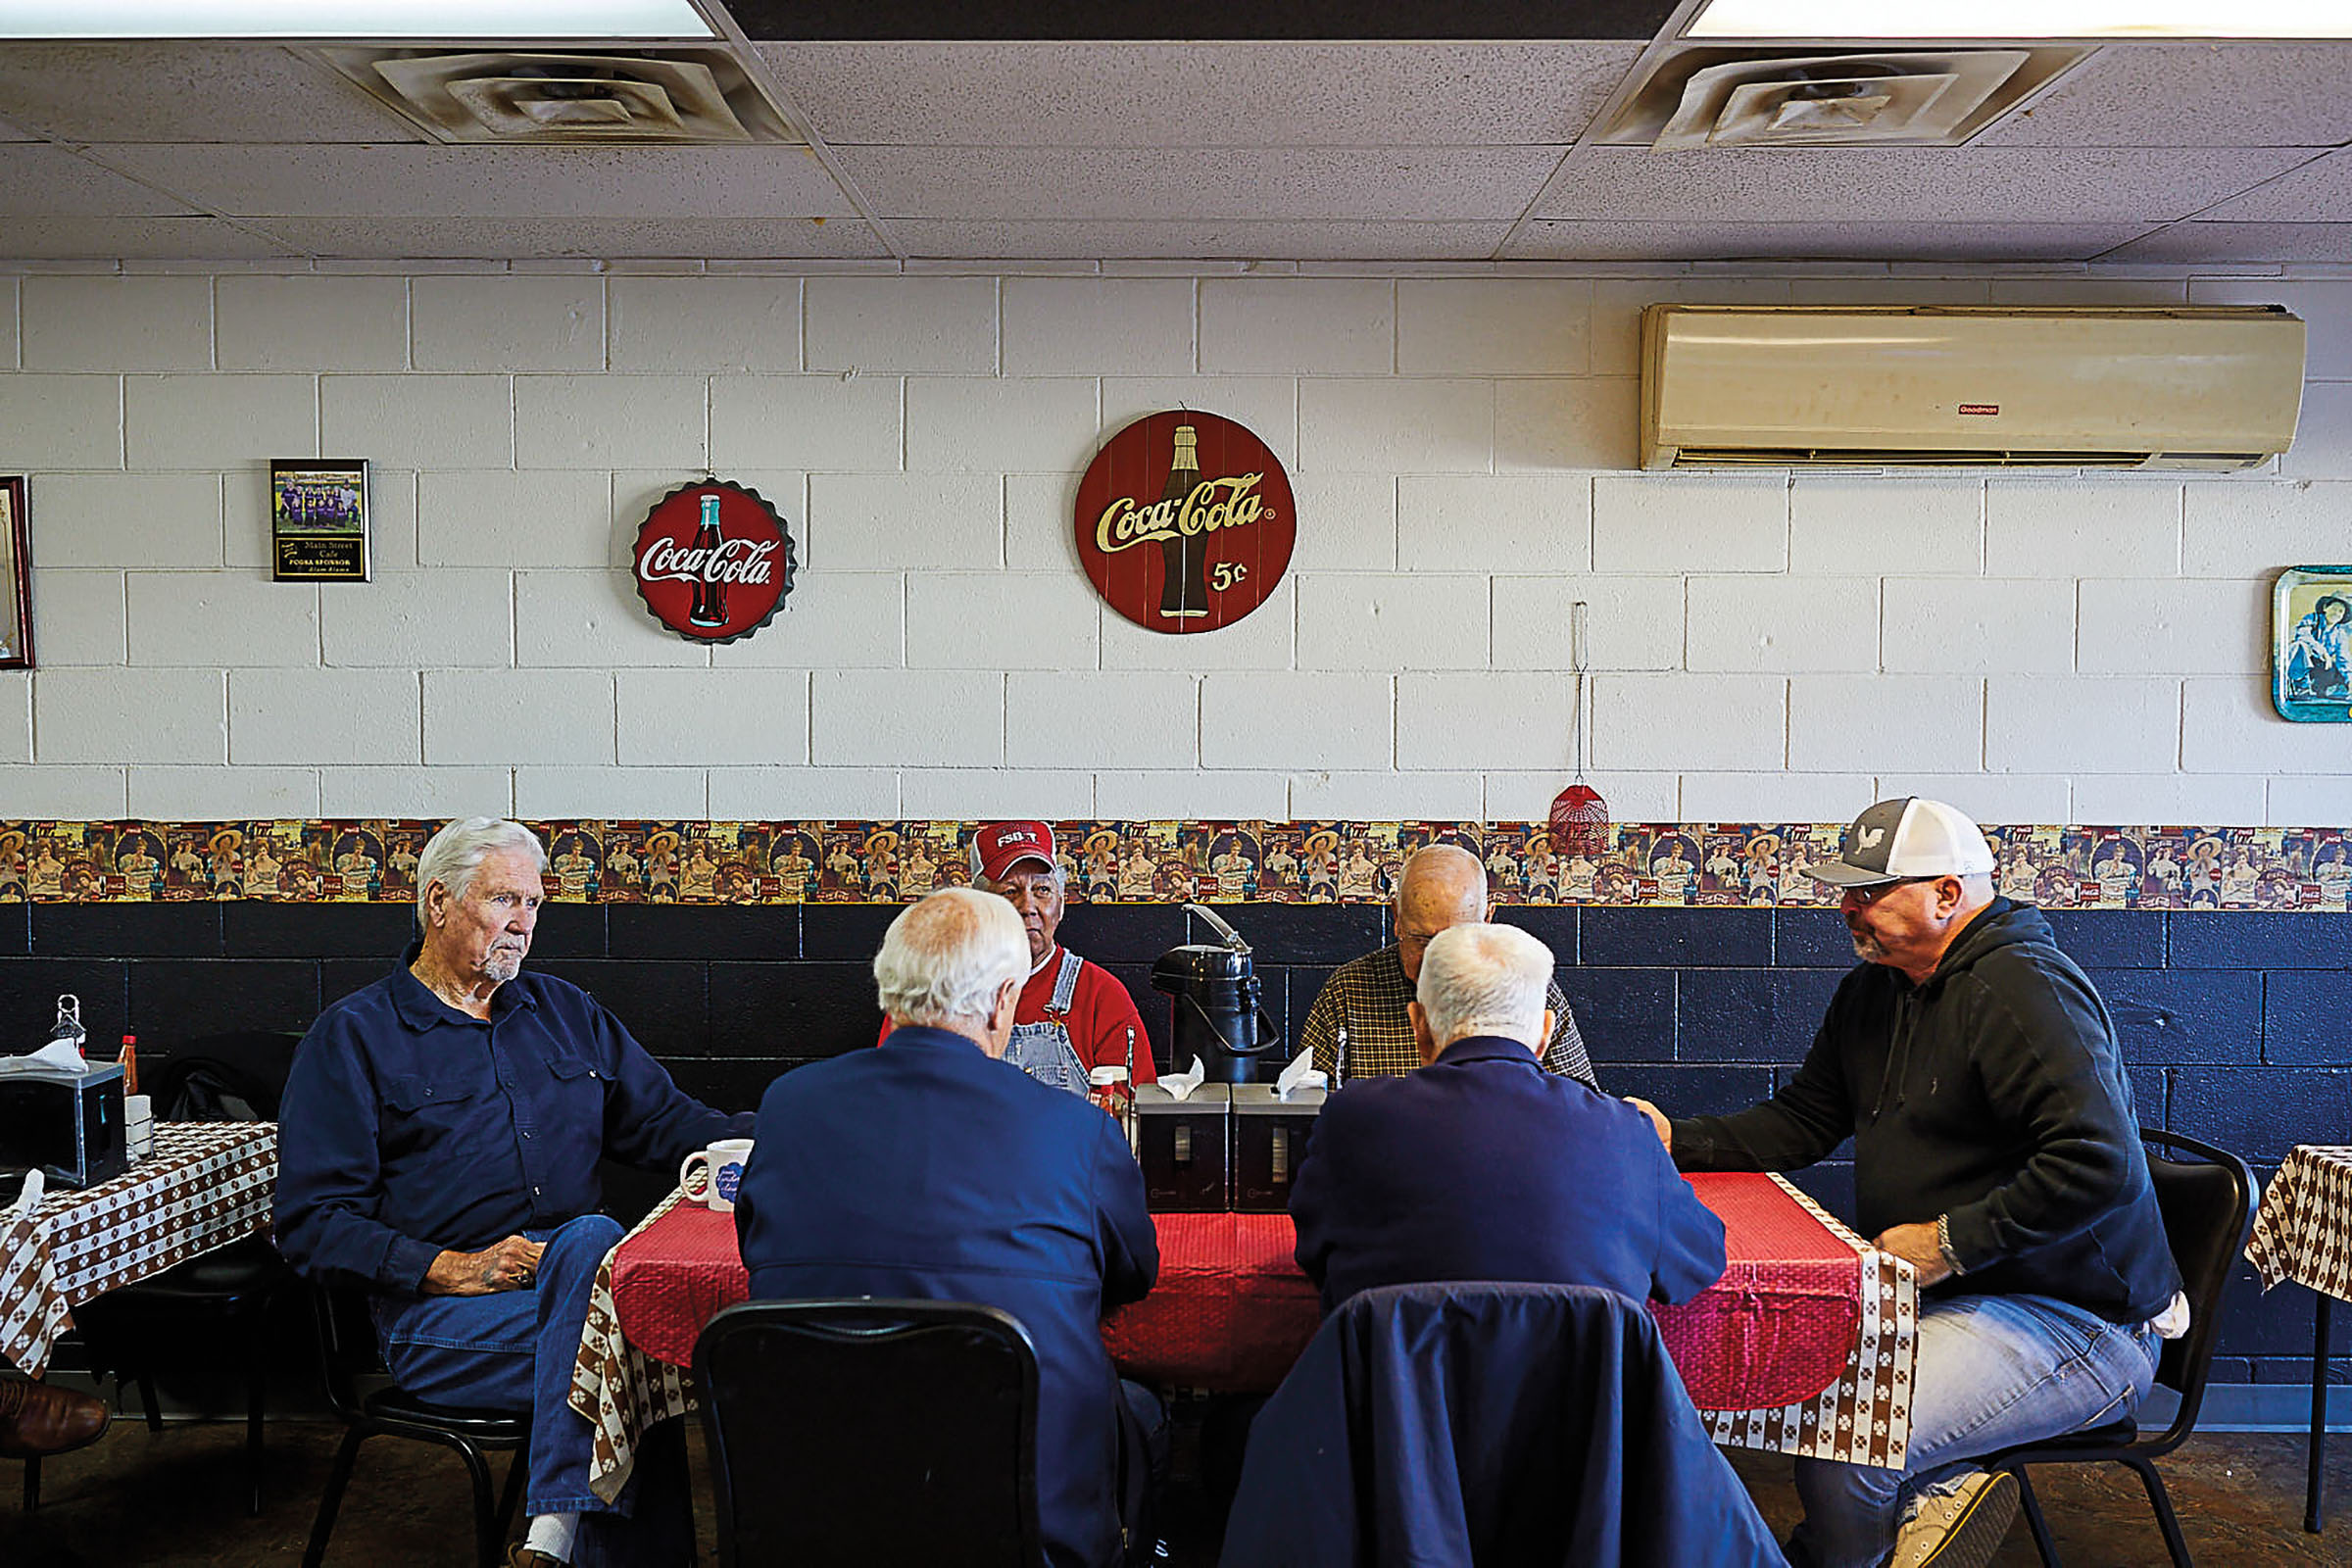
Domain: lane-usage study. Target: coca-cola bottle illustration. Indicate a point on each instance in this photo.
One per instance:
(1183, 557)
(709, 607)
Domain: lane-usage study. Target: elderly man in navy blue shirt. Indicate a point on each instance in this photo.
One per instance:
(935, 1169)
(1482, 1165)
(440, 1134)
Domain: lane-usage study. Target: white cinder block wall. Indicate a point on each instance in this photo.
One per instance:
(2041, 649)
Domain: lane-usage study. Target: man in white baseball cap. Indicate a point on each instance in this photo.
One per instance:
(1996, 1147)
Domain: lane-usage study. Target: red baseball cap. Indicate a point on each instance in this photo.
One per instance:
(998, 847)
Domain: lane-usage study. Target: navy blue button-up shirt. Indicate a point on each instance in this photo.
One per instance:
(409, 1127)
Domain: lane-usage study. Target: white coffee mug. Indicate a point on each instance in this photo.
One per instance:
(721, 1168)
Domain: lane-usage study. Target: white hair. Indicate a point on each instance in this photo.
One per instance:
(1484, 980)
(452, 856)
(944, 958)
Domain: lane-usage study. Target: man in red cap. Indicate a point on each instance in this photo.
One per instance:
(1073, 1015)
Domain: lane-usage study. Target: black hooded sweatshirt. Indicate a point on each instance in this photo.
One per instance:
(1992, 1093)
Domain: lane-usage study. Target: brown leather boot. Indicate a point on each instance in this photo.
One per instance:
(37, 1419)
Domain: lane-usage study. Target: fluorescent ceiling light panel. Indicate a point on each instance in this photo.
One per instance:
(438, 20)
(2023, 18)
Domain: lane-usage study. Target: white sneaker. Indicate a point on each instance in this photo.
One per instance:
(1961, 1528)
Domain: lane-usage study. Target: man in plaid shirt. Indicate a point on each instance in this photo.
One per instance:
(1442, 887)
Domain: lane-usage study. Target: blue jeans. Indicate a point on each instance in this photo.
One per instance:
(514, 1351)
(1994, 1371)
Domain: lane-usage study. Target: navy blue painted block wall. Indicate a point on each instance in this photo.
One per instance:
(2234, 1027)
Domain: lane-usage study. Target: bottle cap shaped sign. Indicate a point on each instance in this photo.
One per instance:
(713, 562)
(1185, 522)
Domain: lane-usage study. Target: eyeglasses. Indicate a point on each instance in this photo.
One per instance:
(1868, 896)
(1871, 894)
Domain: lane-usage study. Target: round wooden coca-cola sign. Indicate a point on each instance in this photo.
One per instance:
(714, 561)
(1185, 522)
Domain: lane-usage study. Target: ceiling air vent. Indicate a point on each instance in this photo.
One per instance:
(1930, 98)
(670, 96)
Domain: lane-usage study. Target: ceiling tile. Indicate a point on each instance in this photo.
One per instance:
(2318, 192)
(191, 92)
(171, 239)
(649, 182)
(1353, 241)
(1160, 184)
(604, 238)
(2242, 95)
(1601, 241)
(1909, 184)
(38, 179)
(1200, 95)
(2240, 242)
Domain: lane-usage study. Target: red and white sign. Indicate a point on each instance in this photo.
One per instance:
(713, 562)
(1185, 522)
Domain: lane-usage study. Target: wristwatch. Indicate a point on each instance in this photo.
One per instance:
(1943, 1244)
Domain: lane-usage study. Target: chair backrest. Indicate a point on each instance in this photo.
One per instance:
(347, 1345)
(1490, 1424)
(2208, 1205)
(867, 1431)
(239, 1076)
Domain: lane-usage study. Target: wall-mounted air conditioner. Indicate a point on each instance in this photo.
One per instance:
(1802, 386)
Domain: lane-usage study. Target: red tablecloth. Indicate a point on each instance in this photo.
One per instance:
(1232, 1311)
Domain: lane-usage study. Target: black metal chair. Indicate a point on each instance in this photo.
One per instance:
(860, 1431)
(348, 1356)
(2208, 1205)
(130, 1330)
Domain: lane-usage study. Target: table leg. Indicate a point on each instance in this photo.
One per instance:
(2313, 1492)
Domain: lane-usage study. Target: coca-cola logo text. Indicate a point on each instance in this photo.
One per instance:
(1230, 502)
(1211, 502)
(744, 560)
(712, 562)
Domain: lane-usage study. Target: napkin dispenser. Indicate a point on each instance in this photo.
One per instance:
(1270, 1135)
(70, 1125)
(1184, 1147)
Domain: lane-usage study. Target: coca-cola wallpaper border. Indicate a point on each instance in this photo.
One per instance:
(732, 597)
(1645, 866)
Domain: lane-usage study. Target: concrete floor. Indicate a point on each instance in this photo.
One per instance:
(174, 1500)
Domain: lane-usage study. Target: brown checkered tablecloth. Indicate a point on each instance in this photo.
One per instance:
(207, 1184)
(1864, 1417)
(2303, 1230)
(619, 1388)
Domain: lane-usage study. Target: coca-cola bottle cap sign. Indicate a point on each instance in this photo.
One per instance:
(713, 562)
(1185, 522)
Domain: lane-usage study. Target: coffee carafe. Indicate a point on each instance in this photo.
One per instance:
(1219, 1006)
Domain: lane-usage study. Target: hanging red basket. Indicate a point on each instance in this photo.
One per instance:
(1579, 822)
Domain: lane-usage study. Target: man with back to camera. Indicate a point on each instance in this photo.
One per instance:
(930, 1168)
(440, 1137)
(1075, 1016)
(1441, 886)
(1481, 1165)
(1996, 1147)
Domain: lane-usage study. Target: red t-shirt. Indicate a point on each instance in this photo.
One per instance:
(1101, 1014)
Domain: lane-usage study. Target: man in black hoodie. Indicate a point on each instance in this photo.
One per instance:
(1996, 1147)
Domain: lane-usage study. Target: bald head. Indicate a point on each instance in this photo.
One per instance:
(1442, 887)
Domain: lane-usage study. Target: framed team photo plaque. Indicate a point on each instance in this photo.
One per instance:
(319, 519)
(16, 578)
